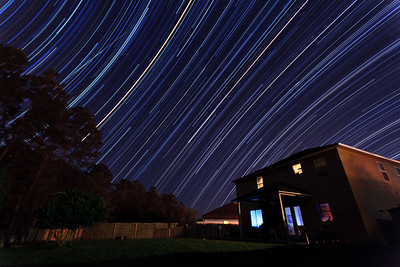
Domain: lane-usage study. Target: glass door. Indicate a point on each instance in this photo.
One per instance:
(293, 219)
(289, 221)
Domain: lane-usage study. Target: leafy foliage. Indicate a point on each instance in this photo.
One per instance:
(71, 210)
(45, 145)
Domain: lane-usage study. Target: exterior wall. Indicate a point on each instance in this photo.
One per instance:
(332, 188)
(220, 221)
(374, 195)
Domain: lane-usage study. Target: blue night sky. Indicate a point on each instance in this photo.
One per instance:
(190, 95)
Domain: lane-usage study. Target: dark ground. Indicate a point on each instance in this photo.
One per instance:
(277, 256)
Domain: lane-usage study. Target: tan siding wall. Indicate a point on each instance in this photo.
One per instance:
(373, 194)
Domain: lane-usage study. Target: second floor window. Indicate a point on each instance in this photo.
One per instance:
(321, 167)
(297, 169)
(397, 171)
(383, 171)
(260, 182)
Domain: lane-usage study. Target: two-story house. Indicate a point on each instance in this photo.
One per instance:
(334, 193)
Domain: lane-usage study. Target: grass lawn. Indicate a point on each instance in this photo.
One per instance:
(195, 252)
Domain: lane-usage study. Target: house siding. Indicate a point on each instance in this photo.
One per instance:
(373, 194)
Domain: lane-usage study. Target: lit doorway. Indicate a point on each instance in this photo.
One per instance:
(294, 220)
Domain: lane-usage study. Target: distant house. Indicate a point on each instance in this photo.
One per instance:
(227, 214)
(334, 193)
(221, 223)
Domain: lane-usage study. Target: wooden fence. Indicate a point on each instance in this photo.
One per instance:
(104, 231)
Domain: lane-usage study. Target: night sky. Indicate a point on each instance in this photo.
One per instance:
(192, 95)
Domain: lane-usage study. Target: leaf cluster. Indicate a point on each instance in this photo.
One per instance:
(72, 209)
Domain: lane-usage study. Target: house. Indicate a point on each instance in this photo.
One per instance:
(334, 193)
(226, 214)
(221, 223)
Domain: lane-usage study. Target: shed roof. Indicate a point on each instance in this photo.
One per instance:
(228, 211)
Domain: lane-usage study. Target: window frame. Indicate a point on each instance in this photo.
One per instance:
(397, 169)
(260, 184)
(383, 171)
(256, 218)
(297, 168)
(321, 169)
(324, 212)
(298, 216)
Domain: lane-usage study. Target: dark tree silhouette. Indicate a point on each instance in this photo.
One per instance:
(129, 202)
(4, 184)
(69, 211)
(45, 145)
(97, 180)
(12, 83)
(126, 201)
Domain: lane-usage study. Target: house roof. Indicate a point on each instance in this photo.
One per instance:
(272, 189)
(306, 153)
(228, 211)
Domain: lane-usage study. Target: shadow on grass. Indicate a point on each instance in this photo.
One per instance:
(277, 256)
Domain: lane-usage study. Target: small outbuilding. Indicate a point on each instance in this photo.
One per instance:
(226, 214)
(221, 223)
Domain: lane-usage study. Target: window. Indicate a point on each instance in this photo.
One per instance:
(299, 218)
(321, 167)
(383, 171)
(297, 169)
(320, 162)
(260, 182)
(325, 212)
(397, 171)
(256, 218)
(289, 221)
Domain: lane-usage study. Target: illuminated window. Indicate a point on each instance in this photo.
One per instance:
(289, 221)
(297, 169)
(299, 218)
(260, 182)
(321, 167)
(383, 171)
(256, 218)
(325, 212)
(397, 170)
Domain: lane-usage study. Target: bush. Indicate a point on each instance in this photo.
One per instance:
(71, 210)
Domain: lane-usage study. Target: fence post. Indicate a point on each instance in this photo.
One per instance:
(134, 234)
(114, 229)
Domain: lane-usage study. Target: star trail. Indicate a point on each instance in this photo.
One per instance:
(190, 95)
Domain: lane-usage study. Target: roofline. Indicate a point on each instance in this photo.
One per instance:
(323, 149)
(368, 153)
